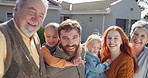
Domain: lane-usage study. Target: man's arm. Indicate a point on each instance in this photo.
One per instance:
(2, 53)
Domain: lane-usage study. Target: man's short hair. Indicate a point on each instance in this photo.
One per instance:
(68, 25)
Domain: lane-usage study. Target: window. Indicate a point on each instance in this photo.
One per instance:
(9, 16)
(10, 0)
(121, 23)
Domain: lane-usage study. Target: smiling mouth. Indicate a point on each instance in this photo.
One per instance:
(31, 23)
(70, 48)
(112, 45)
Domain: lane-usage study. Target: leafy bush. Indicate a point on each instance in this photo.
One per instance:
(41, 35)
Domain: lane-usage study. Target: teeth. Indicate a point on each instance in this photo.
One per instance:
(112, 45)
(32, 23)
(70, 48)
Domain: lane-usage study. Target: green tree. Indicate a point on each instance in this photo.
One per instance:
(41, 35)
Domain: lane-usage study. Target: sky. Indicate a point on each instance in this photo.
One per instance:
(144, 12)
(78, 1)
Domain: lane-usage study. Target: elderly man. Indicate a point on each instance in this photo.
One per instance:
(20, 55)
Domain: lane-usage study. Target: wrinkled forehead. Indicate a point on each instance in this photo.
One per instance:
(141, 28)
(41, 5)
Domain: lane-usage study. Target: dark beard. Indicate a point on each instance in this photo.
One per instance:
(65, 50)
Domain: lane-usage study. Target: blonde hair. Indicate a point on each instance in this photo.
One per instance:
(90, 39)
(52, 25)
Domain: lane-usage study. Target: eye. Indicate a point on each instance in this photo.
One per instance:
(55, 37)
(31, 11)
(64, 38)
(75, 37)
(116, 38)
(48, 36)
(135, 34)
(109, 38)
(41, 17)
(142, 36)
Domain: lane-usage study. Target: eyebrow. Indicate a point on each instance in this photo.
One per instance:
(31, 8)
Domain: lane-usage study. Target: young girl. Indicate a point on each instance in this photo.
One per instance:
(48, 49)
(94, 69)
(116, 47)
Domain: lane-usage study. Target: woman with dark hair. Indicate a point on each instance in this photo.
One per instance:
(116, 47)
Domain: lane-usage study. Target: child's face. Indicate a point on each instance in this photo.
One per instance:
(51, 37)
(95, 47)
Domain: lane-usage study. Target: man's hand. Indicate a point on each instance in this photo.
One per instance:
(77, 61)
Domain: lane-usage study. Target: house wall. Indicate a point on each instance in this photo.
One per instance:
(3, 12)
(107, 22)
(52, 16)
(125, 9)
(90, 24)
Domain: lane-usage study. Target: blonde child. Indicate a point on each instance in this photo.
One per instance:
(94, 69)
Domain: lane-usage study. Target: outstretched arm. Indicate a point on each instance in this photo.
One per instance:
(54, 61)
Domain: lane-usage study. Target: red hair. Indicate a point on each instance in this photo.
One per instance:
(125, 47)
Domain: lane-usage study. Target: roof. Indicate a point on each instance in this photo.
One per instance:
(52, 4)
(94, 5)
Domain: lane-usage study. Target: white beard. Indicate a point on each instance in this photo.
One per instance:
(28, 32)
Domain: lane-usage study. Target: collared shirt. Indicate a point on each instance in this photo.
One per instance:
(142, 60)
(3, 49)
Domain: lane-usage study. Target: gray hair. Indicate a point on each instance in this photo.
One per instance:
(140, 24)
(21, 3)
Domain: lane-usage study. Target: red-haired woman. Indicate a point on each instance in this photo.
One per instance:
(116, 47)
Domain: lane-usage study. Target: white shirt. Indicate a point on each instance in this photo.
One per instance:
(143, 64)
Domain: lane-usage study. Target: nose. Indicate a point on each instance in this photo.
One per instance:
(112, 40)
(34, 18)
(70, 42)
